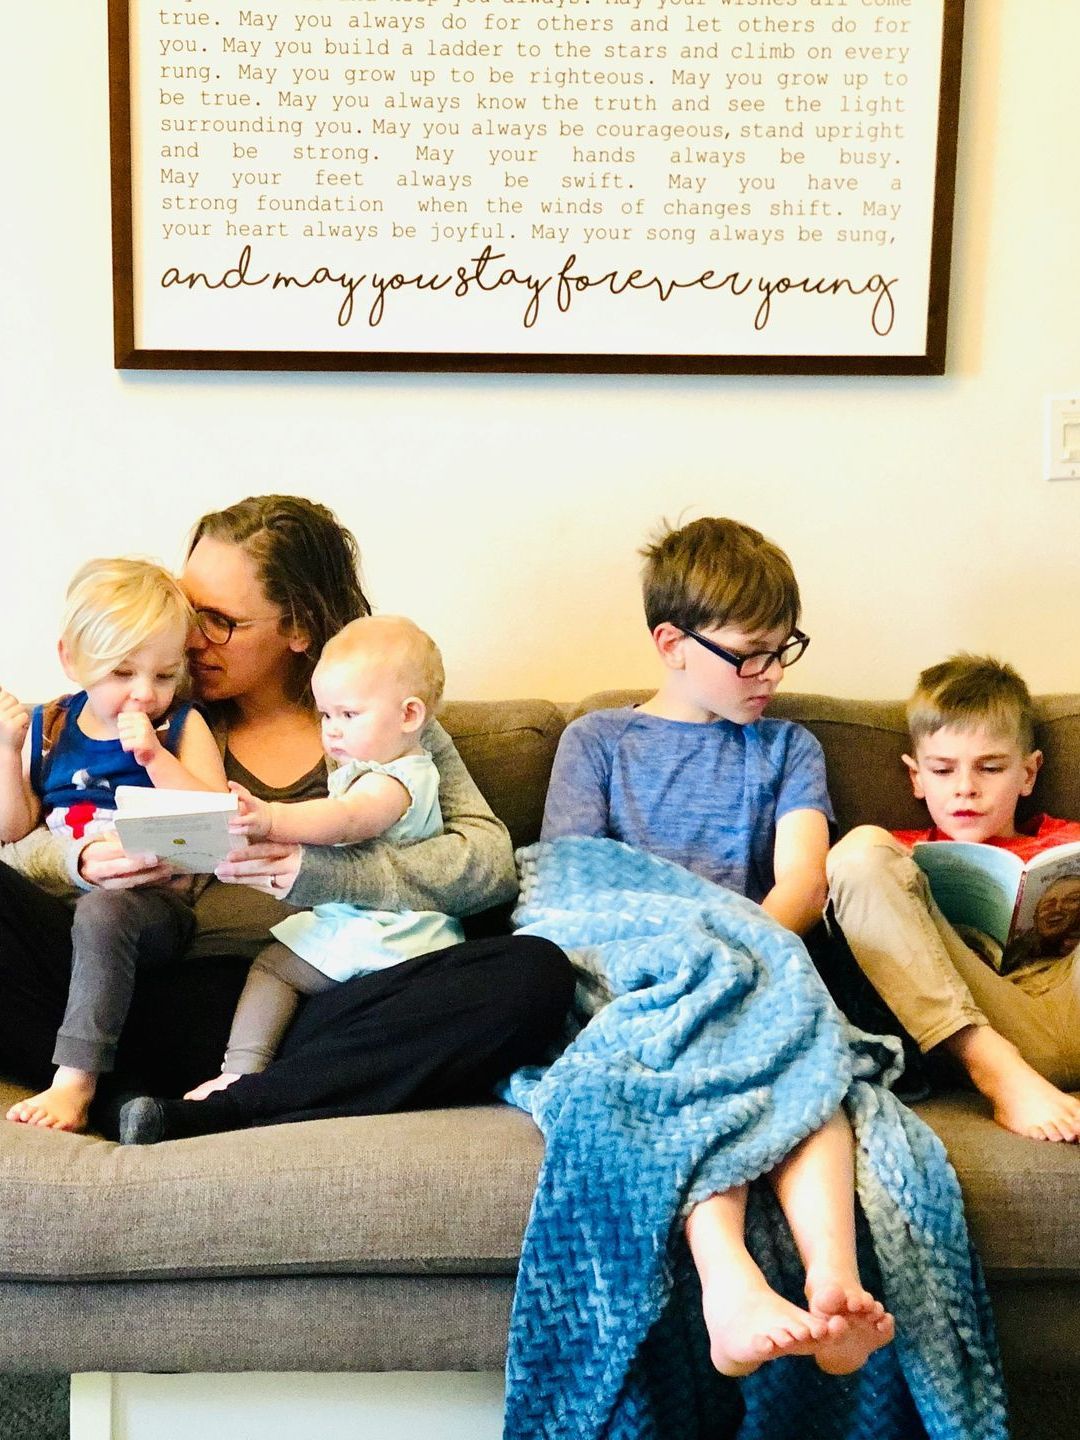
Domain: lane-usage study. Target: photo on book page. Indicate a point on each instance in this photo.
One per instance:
(1047, 923)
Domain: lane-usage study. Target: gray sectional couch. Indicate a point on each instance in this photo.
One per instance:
(390, 1243)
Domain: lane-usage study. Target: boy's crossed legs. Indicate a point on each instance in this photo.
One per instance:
(1017, 1046)
(748, 1322)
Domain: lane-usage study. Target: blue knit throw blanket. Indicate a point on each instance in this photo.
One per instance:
(711, 1050)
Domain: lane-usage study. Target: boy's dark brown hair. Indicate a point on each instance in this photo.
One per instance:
(716, 572)
(969, 690)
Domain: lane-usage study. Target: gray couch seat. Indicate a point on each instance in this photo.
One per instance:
(377, 1243)
(427, 1192)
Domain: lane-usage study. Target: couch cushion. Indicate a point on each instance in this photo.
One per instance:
(1057, 734)
(863, 741)
(508, 746)
(426, 1192)
(430, 1192)
(256, 1323)
(1019, 1195)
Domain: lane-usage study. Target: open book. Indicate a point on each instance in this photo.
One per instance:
(1030, 909)
(186, 828)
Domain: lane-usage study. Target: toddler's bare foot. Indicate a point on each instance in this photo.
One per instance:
(65, 1105)
(865, 1324)
(750, 1327)
(1024, 1102)
(208, 1087)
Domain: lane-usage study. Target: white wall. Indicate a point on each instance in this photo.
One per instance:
(504, 512)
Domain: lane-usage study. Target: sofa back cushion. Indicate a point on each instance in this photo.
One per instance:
(863, 741)
(509, 745)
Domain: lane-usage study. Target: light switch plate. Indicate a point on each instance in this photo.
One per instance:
(1061, 437)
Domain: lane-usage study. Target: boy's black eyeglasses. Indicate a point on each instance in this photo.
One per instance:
(747, 667)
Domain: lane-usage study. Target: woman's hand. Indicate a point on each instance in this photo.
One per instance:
(268, 866)
(106, 864)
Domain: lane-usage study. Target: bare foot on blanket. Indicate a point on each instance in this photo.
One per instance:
(747, 1329)
(1024, 1102)
(866, 1324)
(209, 1087)
(65, 1105)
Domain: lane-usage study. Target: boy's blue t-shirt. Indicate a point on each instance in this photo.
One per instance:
(707, 796)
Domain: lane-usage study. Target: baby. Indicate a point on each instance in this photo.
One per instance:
(377, 683)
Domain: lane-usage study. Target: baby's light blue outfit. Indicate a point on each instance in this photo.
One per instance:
(346, 940)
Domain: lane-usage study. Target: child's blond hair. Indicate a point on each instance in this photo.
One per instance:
(970, 690)
(397, 645)
(113, 608)
(716, 572)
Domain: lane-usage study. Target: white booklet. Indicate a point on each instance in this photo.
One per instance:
(186, 828)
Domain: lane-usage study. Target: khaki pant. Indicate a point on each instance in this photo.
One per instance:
(932, 980)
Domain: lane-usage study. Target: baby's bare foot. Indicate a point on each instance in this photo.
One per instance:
(747, 1329)
(65, 1105)
(865, 1324)
(209, 1087)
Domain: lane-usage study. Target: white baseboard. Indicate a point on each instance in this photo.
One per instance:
(397, 1406)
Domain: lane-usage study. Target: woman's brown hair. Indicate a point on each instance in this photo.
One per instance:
(307, 563)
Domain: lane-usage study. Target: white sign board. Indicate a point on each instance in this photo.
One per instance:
(534, 184)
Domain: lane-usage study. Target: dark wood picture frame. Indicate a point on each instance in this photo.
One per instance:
(129, 354)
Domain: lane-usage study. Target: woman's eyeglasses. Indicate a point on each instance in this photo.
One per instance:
(219, 628)
(747, 667)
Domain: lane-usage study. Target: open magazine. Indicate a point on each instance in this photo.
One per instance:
(187, 828)
(1031, 910)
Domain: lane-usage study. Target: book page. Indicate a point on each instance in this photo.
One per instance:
(188, 829)
(974, 885)
(156, 800)
(1048, 916)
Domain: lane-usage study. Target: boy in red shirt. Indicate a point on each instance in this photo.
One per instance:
(1016, 1036)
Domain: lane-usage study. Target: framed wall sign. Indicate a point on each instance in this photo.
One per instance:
(531, 185)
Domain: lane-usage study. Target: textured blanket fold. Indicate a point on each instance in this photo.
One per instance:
(711, 1050)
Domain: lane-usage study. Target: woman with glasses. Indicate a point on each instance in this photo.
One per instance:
(271, 578)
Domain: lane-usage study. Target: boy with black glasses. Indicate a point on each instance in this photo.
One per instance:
(1016, 1036)
(699, 776)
